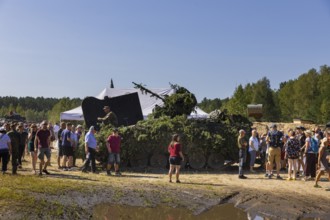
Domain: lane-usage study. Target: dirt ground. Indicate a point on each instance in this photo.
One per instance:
(75, 194)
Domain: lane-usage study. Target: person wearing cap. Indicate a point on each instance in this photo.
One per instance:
(109, 118)
(5, 149)
(67, 143)
(113, 145)
(42, 146)
(322, 162)
(275, 140)
(14, 138)
(90, 149)
(242, 145)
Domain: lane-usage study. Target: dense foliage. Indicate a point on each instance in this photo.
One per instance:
(307, 97)
(203, 137)
(182, 102)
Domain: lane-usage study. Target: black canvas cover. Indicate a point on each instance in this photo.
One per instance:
(126, 107)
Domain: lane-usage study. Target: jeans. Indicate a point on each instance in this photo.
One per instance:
(4, 156)
(242, 159)
(90, 160)
(253, 155)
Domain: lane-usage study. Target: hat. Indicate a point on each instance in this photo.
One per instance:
(2, 129)
(43, 122)
(106, 107)
(273, 126)
(79, 126)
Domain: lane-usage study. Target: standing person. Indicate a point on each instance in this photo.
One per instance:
(109, 118)
(275, 138)
(292, 153)
(5, 149)
(302, 138)
(90, 149)
(59, 145)
(242, 145)
(113, 145)
(253, 149)
(322, 162)
(14, 138)
(23, 137)
(42, 146)
(76, 149)
(56, 129)
(31, 147)
(311, 149)
(67, 147)
(176, 156)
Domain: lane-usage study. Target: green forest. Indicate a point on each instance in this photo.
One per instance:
(307, 97)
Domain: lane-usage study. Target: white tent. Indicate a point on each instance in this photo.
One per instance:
(147, 103)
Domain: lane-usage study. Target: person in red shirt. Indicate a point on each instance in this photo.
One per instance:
(113, 145)
(176, 157)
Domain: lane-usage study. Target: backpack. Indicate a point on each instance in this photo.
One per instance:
(275, 138)
(314, 145)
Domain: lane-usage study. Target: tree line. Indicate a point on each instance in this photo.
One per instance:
(307, 97)
(37, 109)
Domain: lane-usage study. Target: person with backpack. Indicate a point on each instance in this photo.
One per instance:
(322, 162)
(275, 140)
(311, 149)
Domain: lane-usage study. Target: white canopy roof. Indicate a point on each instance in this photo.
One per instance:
(147, 103)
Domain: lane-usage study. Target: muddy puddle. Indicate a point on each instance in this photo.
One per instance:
(225, 212)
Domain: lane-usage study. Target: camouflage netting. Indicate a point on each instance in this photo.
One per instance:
(206, 142)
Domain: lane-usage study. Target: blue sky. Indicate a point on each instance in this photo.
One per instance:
(73, 48)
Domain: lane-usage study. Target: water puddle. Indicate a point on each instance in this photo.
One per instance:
(225, 212)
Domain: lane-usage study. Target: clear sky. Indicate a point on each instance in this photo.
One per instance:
(73, 48)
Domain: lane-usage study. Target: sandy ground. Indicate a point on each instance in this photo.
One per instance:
(198, 192)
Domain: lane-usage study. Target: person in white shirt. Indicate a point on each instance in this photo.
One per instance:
(253, 149)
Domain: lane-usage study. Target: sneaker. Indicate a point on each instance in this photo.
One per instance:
(84, 171)
(95, 172)
(109, 173)
(170, 181)
(317, 186)
(242, 177)
(178, 181)
(252, 171)
(289, 178)
(3, 172)
(294, 178)
(118, 173)
(46, 172)
(279, 177)
(40, 174)
(270, 176)
(266, 175)
(20, 166)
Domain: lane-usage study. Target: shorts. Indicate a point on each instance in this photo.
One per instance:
(175, 161)
(274, 153)
(114, 158)
(42, 152)
(60, 151)
(31, 147)
(67, 151)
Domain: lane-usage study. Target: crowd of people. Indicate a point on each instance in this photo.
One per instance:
(297, 150)
(304, 153)
(39, 140)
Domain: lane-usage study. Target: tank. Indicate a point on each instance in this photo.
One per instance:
(255, 111)
(206, 143)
